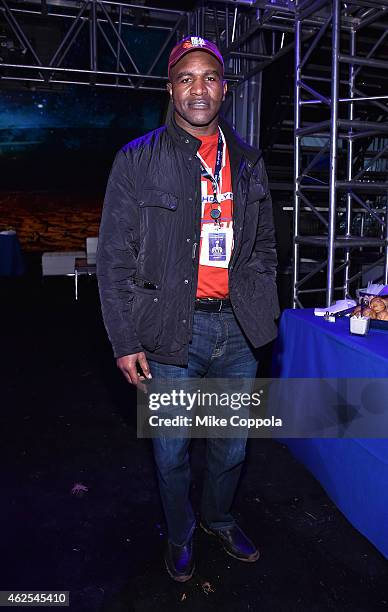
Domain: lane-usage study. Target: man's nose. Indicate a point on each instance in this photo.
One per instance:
(198, 87)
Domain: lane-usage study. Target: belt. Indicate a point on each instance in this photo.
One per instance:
(212, 304)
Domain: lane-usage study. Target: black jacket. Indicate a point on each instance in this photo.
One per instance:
(147, 257)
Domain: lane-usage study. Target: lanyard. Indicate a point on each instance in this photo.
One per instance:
(206, 171)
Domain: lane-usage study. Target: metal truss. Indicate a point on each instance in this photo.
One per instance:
(85, 42)
(340, 208)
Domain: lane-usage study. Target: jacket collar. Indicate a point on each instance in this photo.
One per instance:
(238, 149)
(237, 145)
(181, 138)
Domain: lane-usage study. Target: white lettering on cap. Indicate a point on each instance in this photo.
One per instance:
(197, 41)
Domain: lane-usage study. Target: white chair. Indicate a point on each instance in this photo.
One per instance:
(60, 263)
(91, 249)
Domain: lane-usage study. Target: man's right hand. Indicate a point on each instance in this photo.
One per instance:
(128, 366)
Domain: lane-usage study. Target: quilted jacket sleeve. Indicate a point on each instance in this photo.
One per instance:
(116, 257)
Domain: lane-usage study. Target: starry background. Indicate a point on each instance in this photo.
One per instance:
(50, 139)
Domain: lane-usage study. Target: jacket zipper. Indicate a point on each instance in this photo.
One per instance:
(194, 250)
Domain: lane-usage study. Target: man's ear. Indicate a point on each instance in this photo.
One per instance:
(169, 88)
(225, 84)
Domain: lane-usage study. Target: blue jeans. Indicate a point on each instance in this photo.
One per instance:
(219, 349)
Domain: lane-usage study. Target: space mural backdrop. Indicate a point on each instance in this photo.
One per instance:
(56, 150)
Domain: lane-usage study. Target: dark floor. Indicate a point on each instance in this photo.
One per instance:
(68, 418)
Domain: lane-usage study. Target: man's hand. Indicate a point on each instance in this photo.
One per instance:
(128, 366)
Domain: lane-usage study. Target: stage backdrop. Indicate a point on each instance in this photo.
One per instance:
(56, 150)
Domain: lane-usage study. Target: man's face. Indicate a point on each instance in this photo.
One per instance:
(197, 88)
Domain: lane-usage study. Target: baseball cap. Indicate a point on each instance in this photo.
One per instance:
(193, 43)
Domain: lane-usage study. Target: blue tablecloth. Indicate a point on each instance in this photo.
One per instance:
(354, 472)
(11, 259)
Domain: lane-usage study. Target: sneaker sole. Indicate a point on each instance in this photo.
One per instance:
(179, 578)
(251, 559)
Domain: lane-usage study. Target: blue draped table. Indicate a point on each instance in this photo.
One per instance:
(354, 472)
(11, 259)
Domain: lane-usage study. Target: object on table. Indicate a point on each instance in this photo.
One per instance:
(368, 313)
(377, 304)
(359, 325)
(338, 306)
(374, 289)
(375, 308)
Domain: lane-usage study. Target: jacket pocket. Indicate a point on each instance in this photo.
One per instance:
(158, 222)
(159, 199)
(146, 315)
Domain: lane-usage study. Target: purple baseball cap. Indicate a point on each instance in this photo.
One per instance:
(193, 43)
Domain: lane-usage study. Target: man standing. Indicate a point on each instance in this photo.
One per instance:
(186, 267)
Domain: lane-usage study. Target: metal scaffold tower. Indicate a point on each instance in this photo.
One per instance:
(341, 148)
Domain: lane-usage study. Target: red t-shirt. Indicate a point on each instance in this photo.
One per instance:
(212, 281)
